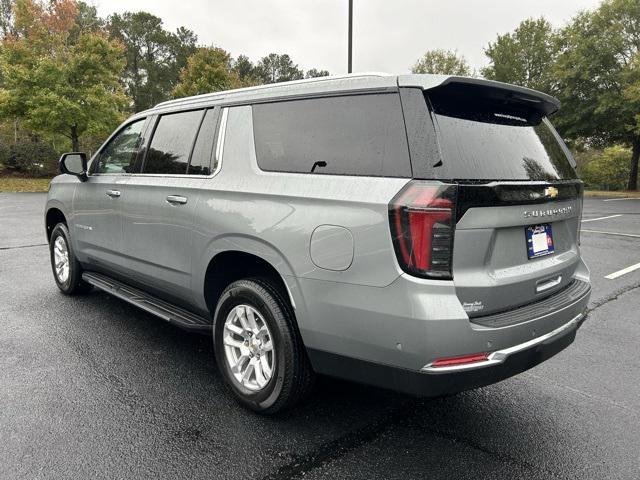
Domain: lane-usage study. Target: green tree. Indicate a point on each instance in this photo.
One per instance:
(208, 70)
(443, 62)
(608, 170)
(246, 71)
(6, 18)
(313, 73)
(277, 68)
(525, 56)
(59, 87)
(87, 21)
(595, 73)
(154, 56)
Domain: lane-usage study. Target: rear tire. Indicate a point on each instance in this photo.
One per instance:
(67, 271)
(258, 348)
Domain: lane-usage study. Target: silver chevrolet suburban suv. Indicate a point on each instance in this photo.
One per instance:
(414, 232)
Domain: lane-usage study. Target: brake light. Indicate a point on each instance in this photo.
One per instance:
(422, 224)
(463, 360)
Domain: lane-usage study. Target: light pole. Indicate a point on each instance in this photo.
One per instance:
(349, 64)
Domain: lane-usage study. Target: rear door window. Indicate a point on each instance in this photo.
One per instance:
(346, 135)
(172, 142)
(202, 156)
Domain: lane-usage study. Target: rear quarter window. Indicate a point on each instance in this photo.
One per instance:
(346, 135)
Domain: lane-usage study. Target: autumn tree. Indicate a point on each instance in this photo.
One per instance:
(56, 85)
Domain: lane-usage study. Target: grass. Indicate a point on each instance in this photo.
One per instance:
(18, 184)
(616, 194)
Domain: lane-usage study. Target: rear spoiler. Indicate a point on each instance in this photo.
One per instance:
(544, 104)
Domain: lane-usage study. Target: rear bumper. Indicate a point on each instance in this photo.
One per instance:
(433, 382)
(390, 336)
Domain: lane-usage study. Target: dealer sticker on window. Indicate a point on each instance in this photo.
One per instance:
(539, 240)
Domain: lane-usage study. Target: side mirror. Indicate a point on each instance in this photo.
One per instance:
(74, 163)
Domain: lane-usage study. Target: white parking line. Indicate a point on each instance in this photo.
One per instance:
(624, 271)
(611, 233)
(601, 218)
(620, 199)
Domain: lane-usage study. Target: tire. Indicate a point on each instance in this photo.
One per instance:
(291, 378)
(69, 281)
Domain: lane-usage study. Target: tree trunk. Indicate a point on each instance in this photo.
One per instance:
(633, 174)
(75, 142)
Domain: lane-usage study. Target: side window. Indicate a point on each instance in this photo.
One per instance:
(348, 135)
(171, 143)
(119, 155)
(202, 156)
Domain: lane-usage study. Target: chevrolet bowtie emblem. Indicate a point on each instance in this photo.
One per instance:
(551, 192)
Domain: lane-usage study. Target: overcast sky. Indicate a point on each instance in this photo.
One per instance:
(389, 36)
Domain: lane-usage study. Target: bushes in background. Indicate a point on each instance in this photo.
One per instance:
(608, 170)
(34, 159)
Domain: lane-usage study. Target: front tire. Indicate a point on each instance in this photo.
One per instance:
(67, 271)
(258, 348)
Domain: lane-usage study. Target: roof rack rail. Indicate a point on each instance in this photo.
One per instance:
(213, 95)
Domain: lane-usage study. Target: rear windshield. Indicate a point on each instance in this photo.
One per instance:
(484, 140)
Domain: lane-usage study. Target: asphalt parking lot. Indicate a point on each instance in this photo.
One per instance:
(91, 387)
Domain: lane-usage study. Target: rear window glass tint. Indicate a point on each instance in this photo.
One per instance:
(348, 135)
(492, 134)
(201, 158)
(171, 143)
(481, 150)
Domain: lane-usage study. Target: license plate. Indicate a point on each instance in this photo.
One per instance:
(539, 240)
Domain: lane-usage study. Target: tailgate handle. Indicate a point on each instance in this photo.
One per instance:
(544, 285)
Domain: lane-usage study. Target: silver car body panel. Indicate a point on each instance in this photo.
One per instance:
(327, 236)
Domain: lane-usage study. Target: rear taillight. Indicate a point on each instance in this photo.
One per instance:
(422, 224)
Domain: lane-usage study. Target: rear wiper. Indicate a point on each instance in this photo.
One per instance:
(320, 163)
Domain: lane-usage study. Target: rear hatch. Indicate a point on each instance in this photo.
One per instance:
(518, 201)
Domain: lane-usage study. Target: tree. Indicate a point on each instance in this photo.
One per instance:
(56, 86)
(6, 18)
(595, 73)
(154, 56)
(443, 62)
(246, 71)
(87, 20)
(313, 73)
(525, 56)
(277, 68)
(208, 70)
(608, 170)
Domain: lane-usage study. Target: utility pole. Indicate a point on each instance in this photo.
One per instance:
(350, 63)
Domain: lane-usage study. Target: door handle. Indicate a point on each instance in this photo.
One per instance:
(113, 193)
(176, 200)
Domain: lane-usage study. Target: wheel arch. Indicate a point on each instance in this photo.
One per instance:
(54, 216)
(228, 266)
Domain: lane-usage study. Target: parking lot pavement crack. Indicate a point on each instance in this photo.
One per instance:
(334, 449)
(614, 296)
(24, 246)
